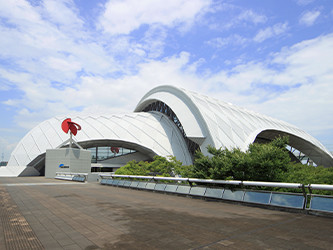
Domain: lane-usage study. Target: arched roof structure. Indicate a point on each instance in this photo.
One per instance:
(149, 133)
(168, 121)
(209, 121)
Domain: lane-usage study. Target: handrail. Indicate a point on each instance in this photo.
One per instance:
(225, 182)
(273, 184)
(126, 176)
(320, 187)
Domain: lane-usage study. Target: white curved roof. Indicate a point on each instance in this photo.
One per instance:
(209, 121)
(152, 132)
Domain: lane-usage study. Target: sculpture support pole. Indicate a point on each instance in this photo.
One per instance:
(70, 140)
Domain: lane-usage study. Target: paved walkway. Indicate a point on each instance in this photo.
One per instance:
(40, 213)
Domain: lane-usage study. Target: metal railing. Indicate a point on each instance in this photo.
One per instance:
(82, 177)
(222, 190)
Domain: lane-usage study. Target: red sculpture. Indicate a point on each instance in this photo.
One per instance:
(68, 125)
(114, 150)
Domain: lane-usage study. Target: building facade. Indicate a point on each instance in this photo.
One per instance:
(167, 121)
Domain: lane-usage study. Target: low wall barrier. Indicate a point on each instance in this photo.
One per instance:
(231, 190)
(81, 177)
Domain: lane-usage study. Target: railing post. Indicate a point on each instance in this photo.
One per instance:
(310, 194)
(305, 196)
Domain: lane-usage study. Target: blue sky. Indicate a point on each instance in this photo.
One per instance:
(63, 56)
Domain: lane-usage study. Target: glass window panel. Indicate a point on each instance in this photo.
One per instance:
(214, 192)
(257, 197)
(160, 186)
(322, 203)
(134, 183)
(93, 154)
(233, 195)
(142, 184)
(183, 189)
(150, 185)
(127, 183)
(120, 182)
(104, 153)
(103, 181)
(109, 181)
(287, 200)
(115, 182)
(125, 151)
(198, 191)
(171, 188)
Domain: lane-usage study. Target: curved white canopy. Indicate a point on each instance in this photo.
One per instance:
(209, 121)
(150, 133)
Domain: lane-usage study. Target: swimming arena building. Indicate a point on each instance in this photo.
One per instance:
(167, 121)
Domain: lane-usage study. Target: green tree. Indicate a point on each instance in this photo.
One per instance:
(134, 168)
(160, 166)
(202, 166)
(267, 162)
(185, 171)
(240, 167)
(261, 162)
(305, 174)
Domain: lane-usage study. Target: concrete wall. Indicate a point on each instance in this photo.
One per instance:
(67, 160)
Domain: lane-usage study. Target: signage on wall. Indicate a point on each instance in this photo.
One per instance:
(63, 166)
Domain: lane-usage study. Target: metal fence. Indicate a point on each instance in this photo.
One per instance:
(231, 190)
(81, 177)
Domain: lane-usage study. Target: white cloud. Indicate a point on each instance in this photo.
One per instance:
(269, 32)
(251, 16)
(220, 42)
(154, 41)
(94, 93)
(122, 17)
(243, 19)
(64, 64)
(308, 59)
(45, 47)
(63, 13)
(308, 18)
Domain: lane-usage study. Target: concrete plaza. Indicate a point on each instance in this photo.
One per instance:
(40, 213)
